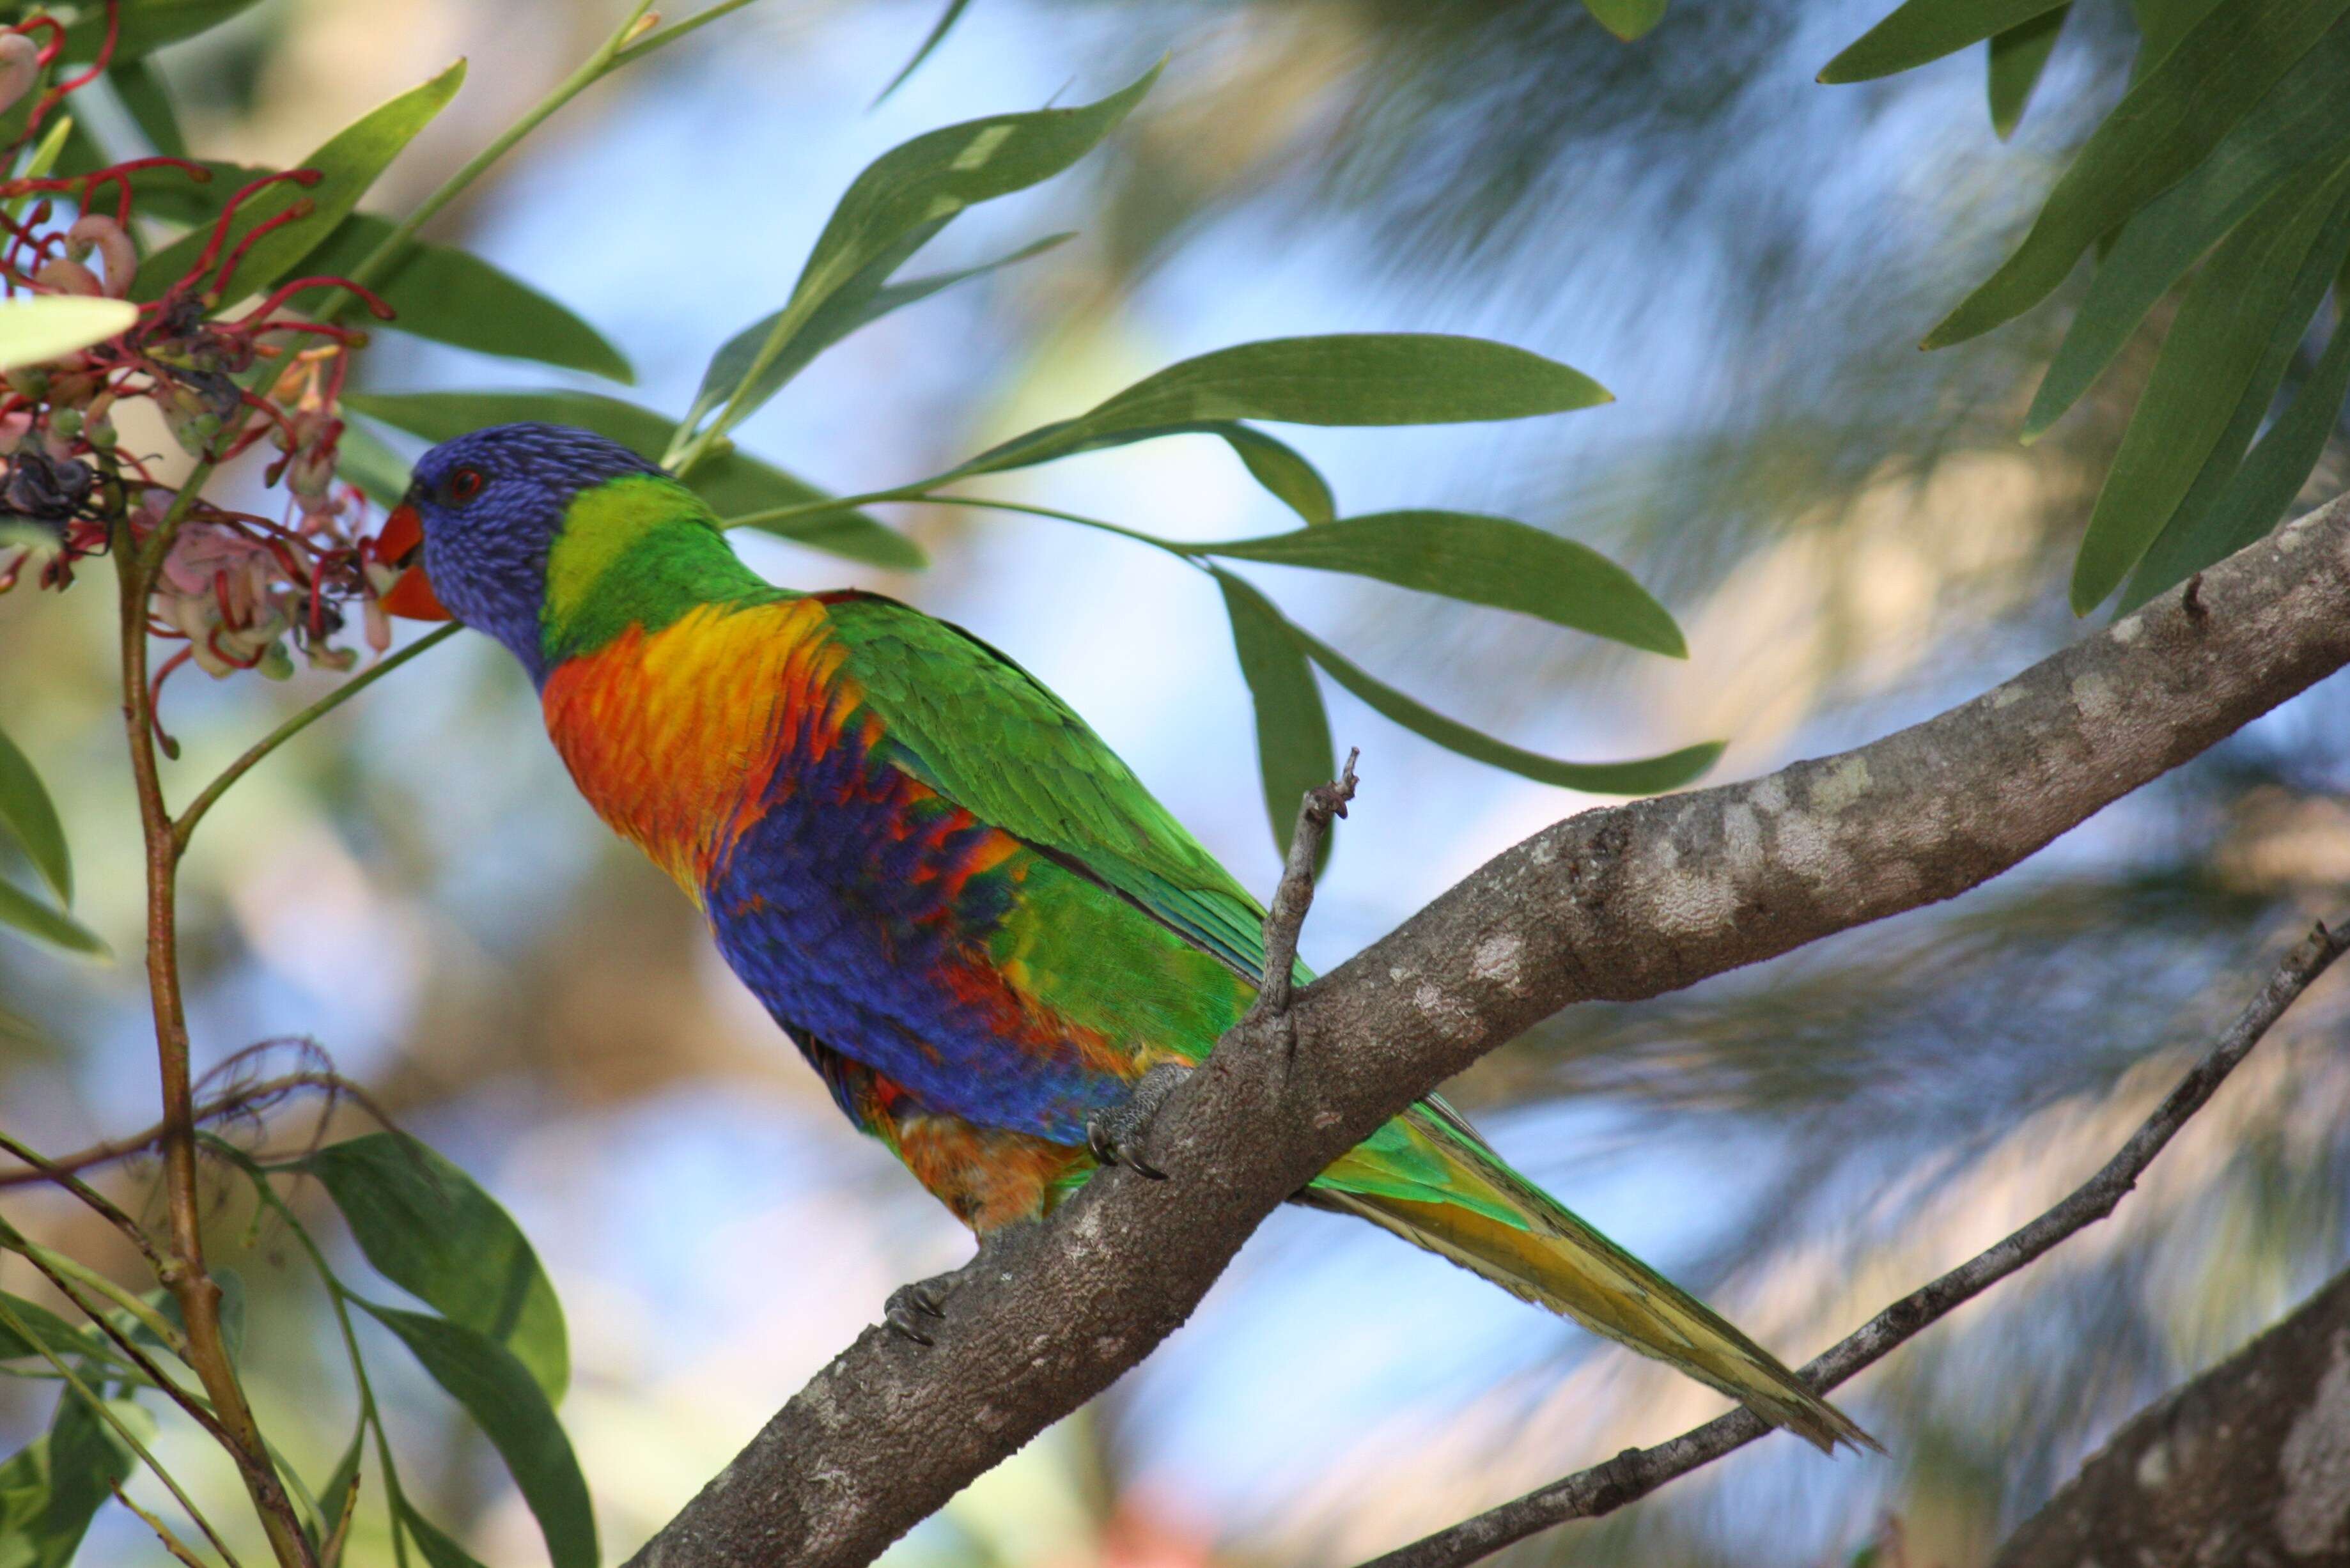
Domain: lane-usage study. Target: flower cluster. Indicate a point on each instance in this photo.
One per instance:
(242, 590)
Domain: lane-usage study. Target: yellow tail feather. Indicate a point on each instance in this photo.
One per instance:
(1558, 1261)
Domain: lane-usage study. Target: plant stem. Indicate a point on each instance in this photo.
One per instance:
(186, 824)
(675, 31)
(916, 492)
(183, 1274)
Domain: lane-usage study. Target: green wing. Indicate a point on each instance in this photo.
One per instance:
(991, 737)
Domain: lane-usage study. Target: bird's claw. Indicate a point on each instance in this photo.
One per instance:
(1115, 1135)
(909, 1304)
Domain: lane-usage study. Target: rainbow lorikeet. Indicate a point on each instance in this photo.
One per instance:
(979, 927)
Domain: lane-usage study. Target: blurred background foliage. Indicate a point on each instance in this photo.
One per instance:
(1847, 528)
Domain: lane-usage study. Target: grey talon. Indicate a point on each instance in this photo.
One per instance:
(909, 1305)
(1115, 1134)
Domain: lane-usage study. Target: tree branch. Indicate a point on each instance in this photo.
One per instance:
(1619, 903)
(1636, 1472)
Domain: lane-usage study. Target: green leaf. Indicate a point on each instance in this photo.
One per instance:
(863, 300)
(908, 194)
(368, 463)
(46, 1329)
(340, 1494)
(452, 297)
(1345, 378)
(1923, 30)
(2162, 24)
(347, 164)
(937, 35)
(733, 483)
(51, 1490)
(1647, 775)
(148, 26)
(2017, 57)
(34, 331)
(30, 915)
(1293, 729)
(149, 104)
(2259, 288)
(1282, 470)
(430, 1230)
(2256, 492)
(2296, 135)
(498, 1391)
(2163, 127)
(1627, 19)
(1479, 560)
(27, 815)
(439, 1549)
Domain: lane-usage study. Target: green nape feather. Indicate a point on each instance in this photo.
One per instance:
(990, 737)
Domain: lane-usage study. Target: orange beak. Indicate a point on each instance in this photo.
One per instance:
(401, 544)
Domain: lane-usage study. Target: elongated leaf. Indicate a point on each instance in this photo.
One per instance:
(1282, 470)
(34, 331)
(51, 1490)
(149, 25)
(439, 1549)
(30, 915)
(43, 1326)
(1627, 19)
(733, 483)
(340, 1495)
(1346, 378)
(149, 104)
(452, 297)
(863, 300)
(2260, 286)
(368, 463)
(2301, 130)
(2163, 127)
(347, 164)
(2018, 56)
(430, 1230)
(2258, 491)
(908, 193)
(1647, 775)
(1293, 729)
(931, 41)
(1923, 30)
(497, 1391)
(28, 815)
(2162, 24)
(1481, 560)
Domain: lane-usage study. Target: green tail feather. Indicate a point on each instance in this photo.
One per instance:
(1429, 1178)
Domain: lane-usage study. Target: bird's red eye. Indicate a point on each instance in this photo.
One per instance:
(463, 486)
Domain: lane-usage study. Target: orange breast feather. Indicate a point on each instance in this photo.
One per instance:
(674, 736)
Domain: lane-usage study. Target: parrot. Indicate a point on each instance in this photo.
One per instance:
(995, 948)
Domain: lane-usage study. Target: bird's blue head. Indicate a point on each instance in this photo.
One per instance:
(478, 520)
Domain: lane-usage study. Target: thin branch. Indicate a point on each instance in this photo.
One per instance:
(179, 1549)
(237, 1102)
(100, 1408)
(1285, 919)
(60, 1173)
(186, 824)
(1636, 1472)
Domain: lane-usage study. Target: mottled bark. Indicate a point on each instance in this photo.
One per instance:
(1621, 902)
(2246, 1466)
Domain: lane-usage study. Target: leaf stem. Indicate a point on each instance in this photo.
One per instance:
(917, 493)
(186, 824)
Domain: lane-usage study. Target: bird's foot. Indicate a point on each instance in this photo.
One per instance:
(910, 1308)
(1116, 1135)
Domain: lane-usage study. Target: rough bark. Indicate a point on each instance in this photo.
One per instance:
(2246, 1466)
(1622, 902)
